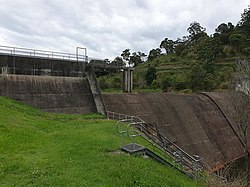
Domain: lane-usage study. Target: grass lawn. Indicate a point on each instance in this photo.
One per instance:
(42, 149)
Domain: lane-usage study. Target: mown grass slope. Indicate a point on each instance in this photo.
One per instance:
(42, 149)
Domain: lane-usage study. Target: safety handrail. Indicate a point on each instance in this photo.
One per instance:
(138, 119)
(192, 163)
(173, 144)
(42, 53)
(37, 53)
(118, 116)
(173, 150)
(119, 122)
(135, 132)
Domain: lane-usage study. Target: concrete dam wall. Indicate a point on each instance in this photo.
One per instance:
(196, 123)
(50, 93)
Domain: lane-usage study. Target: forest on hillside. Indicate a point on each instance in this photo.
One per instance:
(192, 63)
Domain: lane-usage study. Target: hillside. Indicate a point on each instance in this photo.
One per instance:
(173, 74)
(42, 149)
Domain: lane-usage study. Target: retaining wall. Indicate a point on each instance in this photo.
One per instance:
(50, 93)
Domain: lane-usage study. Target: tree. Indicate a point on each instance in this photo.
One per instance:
(230, 26)
(101, 63)
(150, 75)
(222, 28)
(154, 53)
(241, 106)
(181, 46)
(235, 40)
(196, 31)
(142, 56)
(198, 75)
(125, 55)
(135, 59)
(168, 45)
(244, 23)
(208, 48)
(117, 61)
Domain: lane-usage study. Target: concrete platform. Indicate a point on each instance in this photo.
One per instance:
(133, 148)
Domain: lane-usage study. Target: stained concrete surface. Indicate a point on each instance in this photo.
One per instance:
(52, 94)
(28, 65)
(194, 122)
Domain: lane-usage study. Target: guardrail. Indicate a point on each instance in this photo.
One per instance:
(44, 54)
(78, 57)
(119, 116)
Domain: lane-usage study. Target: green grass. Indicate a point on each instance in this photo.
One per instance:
(42, 149)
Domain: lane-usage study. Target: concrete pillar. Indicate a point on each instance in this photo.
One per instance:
(5, 70)
(128, 80)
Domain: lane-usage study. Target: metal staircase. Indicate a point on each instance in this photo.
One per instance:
(168, 153)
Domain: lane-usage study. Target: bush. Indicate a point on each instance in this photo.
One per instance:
(102, 83)
(180, 86)
(116, 82)
(246, 51)
(229, 51)
(209, 82)
(165, 85)
(150, 75)
(197, 77)
(155, 84)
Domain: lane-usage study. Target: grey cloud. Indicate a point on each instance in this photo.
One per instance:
(106, 27)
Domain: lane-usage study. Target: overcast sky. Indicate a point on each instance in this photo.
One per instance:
(107, 27)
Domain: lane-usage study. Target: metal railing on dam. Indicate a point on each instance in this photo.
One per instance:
(54, 55)
(26, 61)
(20, 51)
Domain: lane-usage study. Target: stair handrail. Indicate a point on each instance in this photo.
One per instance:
(119, 122)
(138, 121)
(193, 164)
(173, 144)
(133, 130)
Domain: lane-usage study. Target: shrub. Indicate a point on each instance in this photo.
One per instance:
(165, 85)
